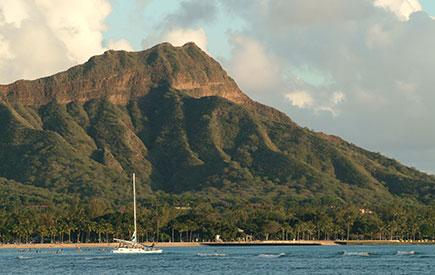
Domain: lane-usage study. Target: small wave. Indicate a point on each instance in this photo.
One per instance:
(24, 257)
(405, 253)
(426, 256)
(211, 254)
(362, 254)
(265, 255)
(98, 258)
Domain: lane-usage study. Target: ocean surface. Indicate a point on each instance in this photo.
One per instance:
(392, 259)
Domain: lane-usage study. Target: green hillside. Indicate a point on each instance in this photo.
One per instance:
(190, 142)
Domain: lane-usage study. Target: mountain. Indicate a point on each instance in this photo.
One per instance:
(174, 116)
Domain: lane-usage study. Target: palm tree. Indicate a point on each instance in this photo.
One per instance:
(99, 229)
(43, 231)
(89, 226)
(24, 226)
(310, 228)
(61, 229)
(347, 216)
(108, 229)
(270, 228)
(180, 227)
(300, 229)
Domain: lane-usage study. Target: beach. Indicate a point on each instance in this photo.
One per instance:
(90, 245)
(196, 244)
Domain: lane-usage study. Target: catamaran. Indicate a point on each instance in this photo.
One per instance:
(132, 246)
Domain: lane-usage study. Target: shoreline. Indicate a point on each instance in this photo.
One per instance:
(90, 245)
(385, 242)
(273, 243)
(198, 244)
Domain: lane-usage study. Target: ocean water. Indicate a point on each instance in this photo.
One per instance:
(393, 259)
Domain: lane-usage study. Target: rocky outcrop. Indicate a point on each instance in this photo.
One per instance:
(120, 76)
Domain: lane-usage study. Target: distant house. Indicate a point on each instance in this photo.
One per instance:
(365, 211)
(242, 236)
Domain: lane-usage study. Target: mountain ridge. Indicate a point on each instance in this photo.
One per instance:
(120, 76)
(175, 117)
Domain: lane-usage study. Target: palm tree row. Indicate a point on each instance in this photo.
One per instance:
(203, 222)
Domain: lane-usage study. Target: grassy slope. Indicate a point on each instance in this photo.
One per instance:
(177, 144)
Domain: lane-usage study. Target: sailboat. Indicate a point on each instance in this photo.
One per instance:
(132, 246)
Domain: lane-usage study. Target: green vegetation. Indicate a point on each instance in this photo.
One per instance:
(187, 217)
(206, 164)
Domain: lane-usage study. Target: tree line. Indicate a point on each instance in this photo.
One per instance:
(163, 221)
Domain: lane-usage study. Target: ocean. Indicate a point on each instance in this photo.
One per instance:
(390, 259)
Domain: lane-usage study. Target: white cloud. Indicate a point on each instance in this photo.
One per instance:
(41, 37)
(337, 97)
(181, 36)
(300, 99)
(304, 100)
(5, 51)
(331, 105)
(121, 44)
(402, 8)
(78, 24)
(255, 70)
(13, 12)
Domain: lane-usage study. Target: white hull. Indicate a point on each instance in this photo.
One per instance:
(132, 246)
(124, 250)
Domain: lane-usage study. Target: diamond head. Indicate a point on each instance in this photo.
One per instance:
(174, 117)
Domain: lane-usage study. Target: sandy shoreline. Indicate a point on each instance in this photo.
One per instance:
(196, 244)
(89, 245)
(277, 243)
(164, 244)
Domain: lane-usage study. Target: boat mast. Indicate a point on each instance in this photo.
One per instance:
(134, 208)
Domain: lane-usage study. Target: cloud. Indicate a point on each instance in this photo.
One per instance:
(121, 44)
(5, 51)
(378, 37)
(332, 104)
(304, 100)
(191, 13)
(402, 8)
(337, 97)
(184, 25)
(180, 36)
(255, 70)
(140, 4)
(374, 61)
(41, 37)
(13, 12)
(300, 99)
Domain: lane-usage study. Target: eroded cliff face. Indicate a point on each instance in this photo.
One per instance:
(119, 76)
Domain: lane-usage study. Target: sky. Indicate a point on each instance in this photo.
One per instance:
(359, 69)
